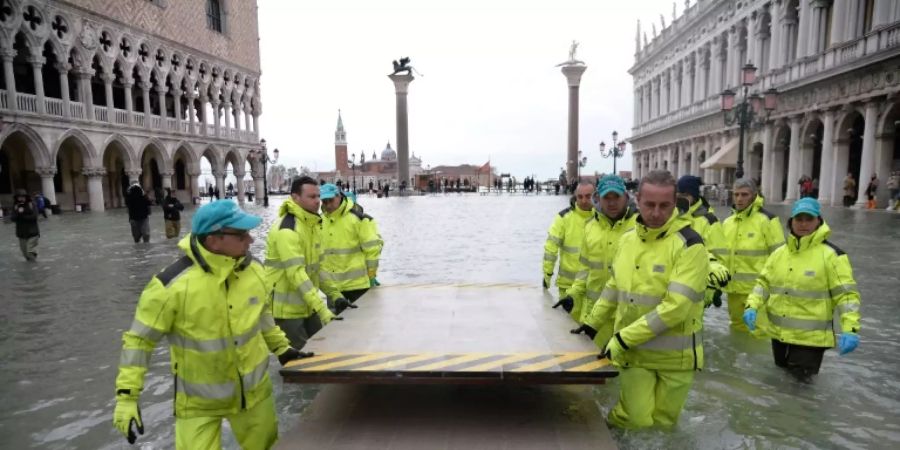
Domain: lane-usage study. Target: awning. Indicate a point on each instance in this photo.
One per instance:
(726, 157)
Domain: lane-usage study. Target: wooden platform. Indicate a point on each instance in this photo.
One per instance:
(451, 334)
(450, 417)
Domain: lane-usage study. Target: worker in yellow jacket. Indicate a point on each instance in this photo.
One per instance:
(564, 239)
(351, 245)
(293, 255)
(801, 285)
(213, 307)
(655, 298)
(751, 234)
(601, 238)
(697, 211)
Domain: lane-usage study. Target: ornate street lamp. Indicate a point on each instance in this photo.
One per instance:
(260, 154)
(352, 163)
(752, 110)
(615, 150)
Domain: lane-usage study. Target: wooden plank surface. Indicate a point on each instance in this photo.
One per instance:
(450, 417)
(459, 333)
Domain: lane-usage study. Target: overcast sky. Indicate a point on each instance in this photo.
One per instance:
(490, 88)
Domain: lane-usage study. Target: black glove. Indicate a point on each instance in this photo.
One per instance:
(566, 302)
(292, 354)
(546, 280)
(586, 329)
(717, 299)
(341, 304)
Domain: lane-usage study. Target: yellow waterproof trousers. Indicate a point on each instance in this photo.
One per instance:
(650, 397)
(736, 304)
(254, 429)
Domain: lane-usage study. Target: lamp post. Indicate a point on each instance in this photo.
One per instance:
(615, 150)
(753, 110)
(352, 163)
(261, 154)
(579, 164)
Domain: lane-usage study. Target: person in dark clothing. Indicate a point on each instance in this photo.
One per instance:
(40, 203)
(25, 216)
(172, 214)
(138, 213)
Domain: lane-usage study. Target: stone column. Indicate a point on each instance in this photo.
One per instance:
(176, 104)
(227, 109)
(852, 18)
(63, 69)
(9, 74)
(260, 189)
(191, 114)
(685, 99)
(108, 95)
(683, 167)
(36, 64)
(145, 91)
(239, 174)
(654, 108)
(803, 35)
(48, 188)
(219, 175)
(777, 36)
(167, 179)
(664, 107)
(247, 118)
(884, 155)
(867, 164)
(765, 176)
(841, 151)
(202, 115)
(645, 109)
(838, 24)
(194, 183)
(793, 189)
(731, 59)
(573, 74)
(715, 69)
(161, 91)
(214, 102)
(401, 89)
(256, 122)
(695, 158)
(826, 172)
(127, 84)
(95, 187)
(703, 73)
(134, 177)
(87, 92)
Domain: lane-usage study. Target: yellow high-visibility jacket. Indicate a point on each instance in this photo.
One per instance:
(565, 237)
(216, 314)
(704, 221)
(655, 296)
(293, 252)
(598, 246)
(351, 247)
(750, 236)
(802, 284)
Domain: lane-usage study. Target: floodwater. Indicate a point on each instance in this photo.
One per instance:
(64, 315)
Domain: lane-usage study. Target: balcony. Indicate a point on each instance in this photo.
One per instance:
(30, 105)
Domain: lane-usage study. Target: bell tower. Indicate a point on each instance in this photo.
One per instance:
(340, 147)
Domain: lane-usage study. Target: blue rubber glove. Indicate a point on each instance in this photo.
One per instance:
(750, 318)
(847, 342)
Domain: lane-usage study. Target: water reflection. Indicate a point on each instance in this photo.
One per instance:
(63, 318)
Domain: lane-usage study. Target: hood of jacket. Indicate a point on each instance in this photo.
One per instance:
(799, 244)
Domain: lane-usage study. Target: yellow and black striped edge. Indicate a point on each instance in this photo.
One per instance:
(537, 367)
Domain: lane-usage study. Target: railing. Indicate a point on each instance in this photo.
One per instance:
(26, 102)
(155, 122)
(185, 127)
(76, 110)
(101, 113)
(172, 124)
(138, 119)
(121, 116)
(210, 130)
(54, 107)
(4, 100)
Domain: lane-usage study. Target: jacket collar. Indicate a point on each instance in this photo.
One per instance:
(308, 218)
(345, 207)
(671, 225)
(582, 213)
(754, 206)
(799, 244)
(613, 222)
(220, 266)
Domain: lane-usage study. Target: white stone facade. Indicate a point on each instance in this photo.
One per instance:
(834, 64)
(90, 105)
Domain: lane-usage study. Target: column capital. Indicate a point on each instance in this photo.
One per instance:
(239, 173)
(167, 173)
(107, 77)
(145, 85)
(63, 67)
(218, 173)
(46, 172)
(93, 172)
(37, 61)
(193, 172)
(133, 173)
(401, 83)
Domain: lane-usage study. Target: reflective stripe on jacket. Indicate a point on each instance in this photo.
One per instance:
(598, 246)
(351, 247)
(655, 296)
(564, 238)
(750, 236)
(215, 312)
(801, 285)
(293, 251)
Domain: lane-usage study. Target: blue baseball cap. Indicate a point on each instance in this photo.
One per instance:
(806, 205)
(328, 191)
(219, 214)
(610, 183)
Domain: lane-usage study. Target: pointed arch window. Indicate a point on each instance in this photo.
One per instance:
(214, 15)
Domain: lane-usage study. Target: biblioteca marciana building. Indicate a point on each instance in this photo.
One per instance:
(98, 94)
(821, 78)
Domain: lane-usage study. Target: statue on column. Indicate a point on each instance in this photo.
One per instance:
(404, 66)
(573, 48)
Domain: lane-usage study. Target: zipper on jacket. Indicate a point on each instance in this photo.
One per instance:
(175, 391)
(694, 348)
(240, 378)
